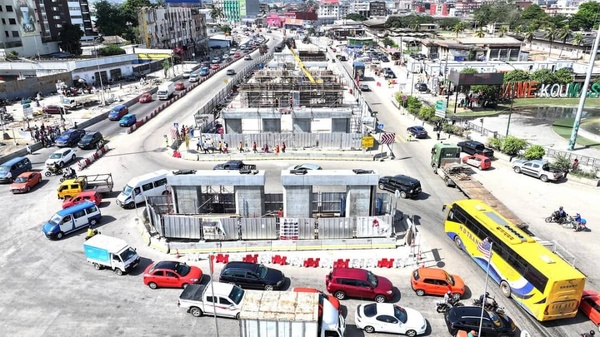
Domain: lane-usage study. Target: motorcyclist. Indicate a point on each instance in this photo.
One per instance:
(577, 218)
(588, 334)
(448, 298)
(90, 232)
(561, 213)
(55, 167)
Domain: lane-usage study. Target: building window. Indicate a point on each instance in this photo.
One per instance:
(15, 33)
(3, 21)
(11, 21)
(6, 33)
(56, 17)
(58, 25)
(9, 8)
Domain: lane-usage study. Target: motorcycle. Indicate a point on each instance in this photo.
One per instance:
(71, 175)
(443, 306)
(493, 306)
(555, 217)
(53, 170)
(580, 226)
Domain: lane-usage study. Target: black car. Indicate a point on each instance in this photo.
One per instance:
(475, 147)
(389, 75)
(69, 138)
(90, 140)
(407, 186)
(467, 319)
(417, 131)
(384, 58)
(252, 275)
(421, 87)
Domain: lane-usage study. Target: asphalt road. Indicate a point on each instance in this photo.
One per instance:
(49, 290)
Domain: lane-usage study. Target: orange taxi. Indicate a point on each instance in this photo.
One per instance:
(435, 281)
(25, 182)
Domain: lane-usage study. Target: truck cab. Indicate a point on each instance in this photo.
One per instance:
(71, 187)
(443, 153)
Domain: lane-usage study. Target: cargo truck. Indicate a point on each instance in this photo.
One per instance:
(165, 91)
(288, 314)
(104, 251)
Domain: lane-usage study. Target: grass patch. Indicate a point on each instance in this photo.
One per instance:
(564, 127)
(555, 102)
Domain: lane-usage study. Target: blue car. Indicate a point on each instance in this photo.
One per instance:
(118, 112)
(204, 71)
(69, 138)
(128, 120)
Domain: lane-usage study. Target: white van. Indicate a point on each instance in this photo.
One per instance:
(147, 185)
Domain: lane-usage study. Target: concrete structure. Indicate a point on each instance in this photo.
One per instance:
(360, 191)
(236, 10)
(248, 188)
(361, 8)
(331, 10)
(473, 48)
(377, 9)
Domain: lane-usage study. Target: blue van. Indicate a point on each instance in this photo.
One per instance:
(10, 170)
(71, 219)
(117, 112)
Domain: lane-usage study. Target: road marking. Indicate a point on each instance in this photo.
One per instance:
(400, 139)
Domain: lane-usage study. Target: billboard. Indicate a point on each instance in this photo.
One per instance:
(26, 17)
(183, 2)
(243, 11)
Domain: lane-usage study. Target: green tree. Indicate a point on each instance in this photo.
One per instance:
(70, 39)
(529, 35)
(564, 76)
(516, 76)
(166, 64)
(502, 31)
(533, 12)
(551, 34)
(426, 113)
(535, 152)
(129, 15)
(413, 104)
(563, 34)
(586, 16)
(388, 42)
(544, 76)
(216, 13)
(518, 30)
(447, 23)
(225, 29)
(513, 145)
(13, 55)
(110, 50)
(479, 33)
(109, 20)
(355, 17)
(578, 40)
(458, 28)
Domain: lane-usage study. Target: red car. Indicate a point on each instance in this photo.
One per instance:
(171, 274)
(590, 306)
(179, 86)
(53, 109)
(215, 67)
(25, 182)
(145, 98)
(92, 196)
(236, 55)
(478, 160)
(358, 283)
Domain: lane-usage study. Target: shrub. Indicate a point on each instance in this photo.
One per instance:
(562, 163)
(512, 145)
(111, 49)
(413, 105)
(495, 143)
(593, 174)
(453, 129)
(535, 152)
(426, 113)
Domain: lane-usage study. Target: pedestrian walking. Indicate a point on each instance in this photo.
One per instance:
(410, 137)
(226, 147)
(283, 147)
(277, 149)
(254, 147)
(28, 149)
(280, 213)
(575, 164)
(439, 133)
(241, 147)
(266, 148)
(166, 140)
(198, 144)
(187, 142)
(206, 145)
(220, 147)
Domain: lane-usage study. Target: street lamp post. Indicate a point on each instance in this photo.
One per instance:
(102, 101)
(512, 100)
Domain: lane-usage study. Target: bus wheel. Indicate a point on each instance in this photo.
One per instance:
(505, 289)
(458, 242)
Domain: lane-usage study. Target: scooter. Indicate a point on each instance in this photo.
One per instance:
(442, 306)
(580, 226)
(52, 170)
(555, 217)
(95, 232)
(493, 306)
(72, 175)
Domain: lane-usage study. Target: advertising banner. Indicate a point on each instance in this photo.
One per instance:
(26, 17)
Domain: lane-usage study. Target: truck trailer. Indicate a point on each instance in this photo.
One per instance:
(165, 91)
(104, 251)
(288, 314)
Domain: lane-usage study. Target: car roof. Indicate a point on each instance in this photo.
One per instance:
(349, 272)
(468, 311)
(417, 127)
(172, 265)
(241, 265)
(384, 308)
(63, 150)
(407, 178)
(128, 115)
(432, 272)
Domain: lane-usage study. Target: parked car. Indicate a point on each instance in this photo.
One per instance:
(61, 157)
(54, 109)
(590, 306)
(478, 160)
(537, 168)
(171, 274)
(215, 67)
(145, 98)
(364, 87)
(417, 131)
(128, 120)
(475, 147)
(194, 77)
(179, 85)
(384, 58)
(252, 275)
(230, 72)
(88, 195)
(358, 283)
(248, 57)
(421, 87)
(467, 318)
(25, 182)
(435, 281)
(69, 138)
(390, 75)
(186, 74)
(407, 186)
(390, 318)
(90, 140)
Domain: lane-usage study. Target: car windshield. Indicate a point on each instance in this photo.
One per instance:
(183, 269)
(400, 314)
(370, 310)
(127, 254)
(262, 271)
(372, 279)
(4, 169)
(55, 220)
(55, 156)
(236, 294)
(20, 180)
(87, 138)
(449, 279)
(127, 190)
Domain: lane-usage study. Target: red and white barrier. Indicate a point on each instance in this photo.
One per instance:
(89, 160)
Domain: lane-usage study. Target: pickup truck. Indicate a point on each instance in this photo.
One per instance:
(102, 183)
(113, 253)
(235, 165)
(194, 299)
(475, 147)
(70, 103)
(537, 168)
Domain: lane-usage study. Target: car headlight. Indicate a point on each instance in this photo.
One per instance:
(8, 175)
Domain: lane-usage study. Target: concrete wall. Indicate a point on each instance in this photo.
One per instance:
(186, 199)
(271, 125)
(302, 125)
(233, 126)
(340, 125)
(31, 86)
(297, 201)
(358, 201)
(249, 201)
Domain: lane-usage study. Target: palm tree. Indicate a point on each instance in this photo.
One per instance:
(216, 13)
(459, 27)
(479, 33)
(502, 31)
(551, 33)
(518, 30)
(563, 34)
(529, 35)
(577, 41)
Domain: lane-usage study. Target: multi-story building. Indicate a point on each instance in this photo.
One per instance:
(54, 14)
(377, 8)
(332, 10)
(361, 8)
(180, 28)
(236, 10)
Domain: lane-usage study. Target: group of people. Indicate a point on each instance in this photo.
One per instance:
(46, 134)
(208, 146)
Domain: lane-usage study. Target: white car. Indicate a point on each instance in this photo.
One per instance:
(186, 74)
(194, 77)
(62, 157)
(387, 317)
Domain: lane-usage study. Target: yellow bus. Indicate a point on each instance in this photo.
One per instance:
(540, 281)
